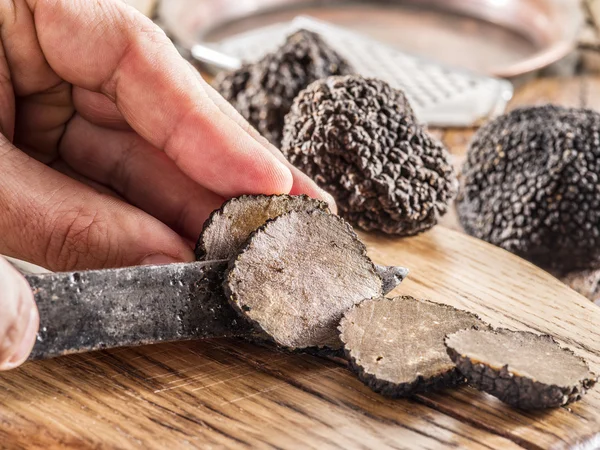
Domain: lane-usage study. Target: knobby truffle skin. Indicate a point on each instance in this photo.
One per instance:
(358, 139)
(523, 369)
(263, 92)
(530, 185)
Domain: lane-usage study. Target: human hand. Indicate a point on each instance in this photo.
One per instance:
(114, 150)
(18, 317)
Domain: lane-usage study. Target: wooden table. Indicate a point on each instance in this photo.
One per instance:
(230, 393)
(233, 394)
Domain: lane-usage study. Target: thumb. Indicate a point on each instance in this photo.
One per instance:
(19, 320)
(59, 223)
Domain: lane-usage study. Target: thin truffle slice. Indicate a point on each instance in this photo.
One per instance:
(227, 228)
(396, 345)
(522, 369)
(359, 140)
(298, 274)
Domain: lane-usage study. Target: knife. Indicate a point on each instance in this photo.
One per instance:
(99, 309)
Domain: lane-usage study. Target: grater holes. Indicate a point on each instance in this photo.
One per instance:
(432, 89)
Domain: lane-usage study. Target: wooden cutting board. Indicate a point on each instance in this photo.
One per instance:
(229, 393)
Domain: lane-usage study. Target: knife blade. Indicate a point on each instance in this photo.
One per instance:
(98, 309)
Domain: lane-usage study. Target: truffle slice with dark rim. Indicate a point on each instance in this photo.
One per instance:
(522, 369)
(396, 345)
(298, 274)
(227, 228)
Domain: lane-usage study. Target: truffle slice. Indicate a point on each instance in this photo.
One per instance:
(227, 228)
(396, 345)
(531, 185)
(522, 369)
(359, 140)
(298, 274)
(263, 92)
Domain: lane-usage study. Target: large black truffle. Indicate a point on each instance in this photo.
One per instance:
(263, 92)
(522, 369)
(298, 274)
(396, 345)
(531, 185)
(359, 140)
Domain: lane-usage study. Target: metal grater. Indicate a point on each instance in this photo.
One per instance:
(441, 96)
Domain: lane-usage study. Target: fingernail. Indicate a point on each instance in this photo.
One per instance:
(158, 259)
(20, 356)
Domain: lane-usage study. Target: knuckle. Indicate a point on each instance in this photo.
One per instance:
(80, 238)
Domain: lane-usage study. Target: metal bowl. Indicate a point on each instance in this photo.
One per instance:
(497, 37)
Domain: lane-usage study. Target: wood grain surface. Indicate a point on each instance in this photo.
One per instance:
(233, 394)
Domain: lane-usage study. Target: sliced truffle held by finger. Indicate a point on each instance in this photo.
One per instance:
(522, 369)
(298, 274)
(228, 228)
(396, 345)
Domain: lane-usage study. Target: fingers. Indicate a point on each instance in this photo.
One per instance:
(62, 167)
(19, 320)
(142, 174)
(7, 97)
(98, 109)
(125, 56)
(56, 222)
(30, 74)
(302, 184)
(40, 121)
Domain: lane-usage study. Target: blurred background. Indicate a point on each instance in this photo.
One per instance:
(496, 37)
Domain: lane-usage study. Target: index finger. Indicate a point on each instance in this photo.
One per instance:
(109, 47)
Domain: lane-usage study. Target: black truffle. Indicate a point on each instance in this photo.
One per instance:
(263, 92)
(298, 274)
(530, 184)
(359, 140)
(228, 228)
(522, 369)
(396, 346)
